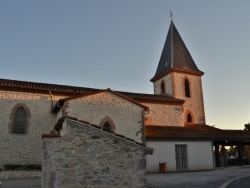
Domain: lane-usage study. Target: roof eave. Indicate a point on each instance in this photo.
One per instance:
(197, 73)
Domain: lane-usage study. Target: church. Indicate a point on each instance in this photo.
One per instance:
(171, 121)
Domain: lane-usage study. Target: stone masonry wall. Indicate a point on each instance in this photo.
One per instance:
(168, 85)
(127, 116)
(194, 104)
(24, 148)
(86, 156)
(164, 114)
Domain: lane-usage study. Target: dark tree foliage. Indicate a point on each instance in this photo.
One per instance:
(247, 127)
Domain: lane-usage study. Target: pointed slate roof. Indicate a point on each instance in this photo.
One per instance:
(175, 55)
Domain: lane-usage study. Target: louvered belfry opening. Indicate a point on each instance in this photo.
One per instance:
(19, 121)
(187, 88)
(181, 157)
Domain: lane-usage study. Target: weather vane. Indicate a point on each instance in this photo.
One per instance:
(171, 15)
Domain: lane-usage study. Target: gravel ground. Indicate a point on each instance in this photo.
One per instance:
(205, 179)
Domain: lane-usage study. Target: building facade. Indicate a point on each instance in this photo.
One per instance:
(31, 109)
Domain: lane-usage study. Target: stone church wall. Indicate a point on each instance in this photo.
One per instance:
(167, 80)
(24, 148)
(194, 104)
(127, 116)
(88, 157)
(164, 114)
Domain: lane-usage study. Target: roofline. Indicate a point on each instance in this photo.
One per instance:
(179, 71)
(198, 139)
(60, 102)
(180, 102)
(178, 139)
(44, 88)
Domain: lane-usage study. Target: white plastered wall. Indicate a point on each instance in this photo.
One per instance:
(199, 155)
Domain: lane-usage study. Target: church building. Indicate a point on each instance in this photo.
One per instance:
(171, 121)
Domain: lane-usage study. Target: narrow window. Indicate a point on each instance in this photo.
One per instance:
(162, 88)
(107, 124)
(181, 157)
(189, 118)
(19, 121)
(107, 127)
(187, 88)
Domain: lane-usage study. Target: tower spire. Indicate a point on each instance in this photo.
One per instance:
(175, 55)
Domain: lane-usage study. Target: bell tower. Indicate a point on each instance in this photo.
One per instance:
(178, 76)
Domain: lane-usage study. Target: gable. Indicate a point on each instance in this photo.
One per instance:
(125, 115)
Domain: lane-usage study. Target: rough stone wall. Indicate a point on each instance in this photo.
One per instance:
(164, 114)
(194, 104)
(126, 115)
(87, 157)
(168, 85)
(24, 148)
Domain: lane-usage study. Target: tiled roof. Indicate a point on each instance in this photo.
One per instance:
(55, 89)
(60, 102)
(143, 96)
(194, 132)
(42, 87)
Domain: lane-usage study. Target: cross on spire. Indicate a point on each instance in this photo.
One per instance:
(171, 15)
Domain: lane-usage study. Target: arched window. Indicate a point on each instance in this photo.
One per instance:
(189, 118)
(19, 119)
(162, 88)
(107, 125)
(187, 88)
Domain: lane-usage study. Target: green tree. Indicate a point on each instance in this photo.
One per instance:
(247, 127)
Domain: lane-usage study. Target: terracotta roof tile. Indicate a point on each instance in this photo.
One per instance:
(194, 132)
(144, 96)
(23, 86)
(42, 87)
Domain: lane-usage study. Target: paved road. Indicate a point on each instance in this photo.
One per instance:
(242, 183)
(219, 178)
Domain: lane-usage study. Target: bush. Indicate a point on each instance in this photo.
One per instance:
(22, 167)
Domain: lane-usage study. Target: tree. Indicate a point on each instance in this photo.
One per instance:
(247, 127)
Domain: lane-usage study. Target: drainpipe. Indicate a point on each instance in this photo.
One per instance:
(51, 99)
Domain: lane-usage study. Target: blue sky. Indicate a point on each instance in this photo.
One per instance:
(117, 44)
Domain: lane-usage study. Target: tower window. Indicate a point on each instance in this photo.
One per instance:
(189, 118)
(187, 88)
(162, 88)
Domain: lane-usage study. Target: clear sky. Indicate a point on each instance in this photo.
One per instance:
(117, 44)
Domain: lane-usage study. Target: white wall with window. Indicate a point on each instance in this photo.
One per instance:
(180, 155)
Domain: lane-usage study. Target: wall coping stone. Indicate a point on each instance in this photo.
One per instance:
(116, 136)
(50, 136)
(20, 174)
